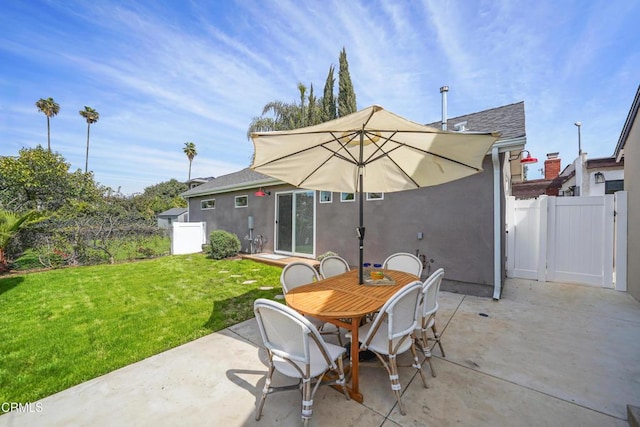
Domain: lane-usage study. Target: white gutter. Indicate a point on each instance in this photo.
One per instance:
(497, 222)
(234, 187)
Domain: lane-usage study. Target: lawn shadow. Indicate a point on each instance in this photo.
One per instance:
(234, 310)
(9, 283)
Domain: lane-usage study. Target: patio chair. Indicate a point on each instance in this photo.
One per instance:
(391, 333)
(427, 315)
(298, 274)
(404, 261)
(333, 265)
(296, 349)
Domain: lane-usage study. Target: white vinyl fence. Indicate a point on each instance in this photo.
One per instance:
(188, 237)
(568, 239)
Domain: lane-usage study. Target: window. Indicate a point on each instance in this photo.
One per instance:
(208, 204)
(241, 201)
(326, 197)
(347, 197)
(375, 196)
(612, 186)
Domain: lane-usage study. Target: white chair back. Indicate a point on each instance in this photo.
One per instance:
(404, 261)
(296, 349)
(332, 266)
(400, 312)
(297, 274)
(287, 334)
(430, 291)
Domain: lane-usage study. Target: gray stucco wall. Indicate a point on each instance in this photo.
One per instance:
(456, 220)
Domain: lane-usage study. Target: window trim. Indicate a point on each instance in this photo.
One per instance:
(202, 202)
(246, 203)
(343, 200)
(325, 201)
(369, 198)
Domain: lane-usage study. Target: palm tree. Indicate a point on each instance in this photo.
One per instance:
(50, 108)
(91, 116)
(10, 224)
(190, 150)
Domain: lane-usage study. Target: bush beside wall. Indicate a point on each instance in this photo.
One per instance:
(223, 244)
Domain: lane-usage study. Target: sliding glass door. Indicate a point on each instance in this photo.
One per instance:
(295, 222)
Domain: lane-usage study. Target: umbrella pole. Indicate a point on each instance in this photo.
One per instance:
(361, 202)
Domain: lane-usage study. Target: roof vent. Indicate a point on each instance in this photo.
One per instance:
(460, 127)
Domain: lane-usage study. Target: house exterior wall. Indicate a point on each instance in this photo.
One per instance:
(166, 221)
(594, 189)
(225, 216)
(456, 220)
(632, 185)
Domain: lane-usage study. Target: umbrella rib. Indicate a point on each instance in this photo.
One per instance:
(380, 148)
(322, 144)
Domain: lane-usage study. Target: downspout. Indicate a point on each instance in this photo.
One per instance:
(497, 225)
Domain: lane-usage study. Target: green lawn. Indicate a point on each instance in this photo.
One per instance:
(62, 327)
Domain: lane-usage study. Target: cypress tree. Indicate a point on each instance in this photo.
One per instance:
(328, 101)
(312, 116)
(346, 95)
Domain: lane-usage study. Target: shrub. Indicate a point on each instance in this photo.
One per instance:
(326, 254)
(223, 244)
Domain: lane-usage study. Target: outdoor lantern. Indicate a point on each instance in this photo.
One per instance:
(262, 193)
(525, 160)
(599, 177)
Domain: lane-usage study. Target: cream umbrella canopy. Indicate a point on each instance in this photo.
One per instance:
(371, 150)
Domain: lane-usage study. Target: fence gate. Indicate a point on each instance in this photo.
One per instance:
(566, 239)
(188, 237)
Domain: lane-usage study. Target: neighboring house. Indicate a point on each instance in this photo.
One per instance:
(549, 185)
(628, 150)
(194, 182)
(168, 217)
(599, 176)
(459, 226)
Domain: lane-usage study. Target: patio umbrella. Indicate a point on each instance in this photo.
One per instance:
(371, 150)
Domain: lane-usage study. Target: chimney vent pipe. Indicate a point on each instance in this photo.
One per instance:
(443, 91)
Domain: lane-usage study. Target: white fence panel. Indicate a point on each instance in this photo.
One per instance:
(580, 236)
(621, 227)
(569, 239)
(188, 237)
(526, 238)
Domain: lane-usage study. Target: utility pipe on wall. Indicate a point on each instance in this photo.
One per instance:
(443, 91)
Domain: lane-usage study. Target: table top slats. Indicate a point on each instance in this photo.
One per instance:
(342, 297)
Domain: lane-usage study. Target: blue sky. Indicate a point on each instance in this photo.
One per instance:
(161, 73)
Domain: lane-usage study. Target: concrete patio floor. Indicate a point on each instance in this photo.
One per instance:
(545, 355)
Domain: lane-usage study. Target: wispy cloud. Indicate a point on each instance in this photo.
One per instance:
(163, 73)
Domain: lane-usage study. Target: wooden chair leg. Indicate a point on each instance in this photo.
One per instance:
(395, 382)
(416, 364)
(437, 338)
(265, 391)
(427, 351)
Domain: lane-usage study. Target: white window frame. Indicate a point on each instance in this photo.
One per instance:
(375, 198)
(330, 200)
(343, 200)
(202, 202)
(246, 201)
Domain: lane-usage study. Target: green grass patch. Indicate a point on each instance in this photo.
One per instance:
(62, 327)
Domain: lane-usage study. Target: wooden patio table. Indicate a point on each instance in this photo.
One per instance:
(340, 300)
